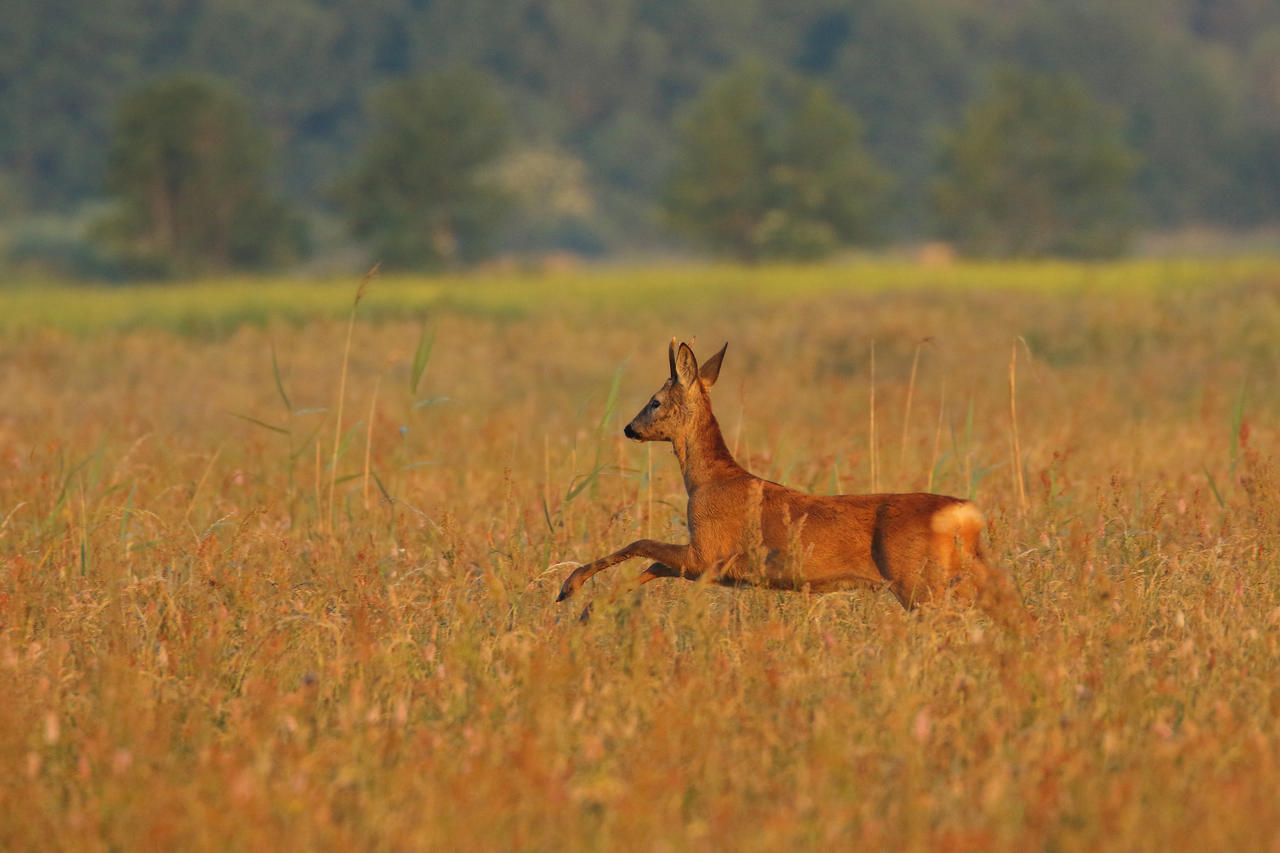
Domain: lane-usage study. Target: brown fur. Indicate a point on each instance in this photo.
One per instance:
(749, 531)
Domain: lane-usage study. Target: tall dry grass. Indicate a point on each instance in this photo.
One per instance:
(196, 653)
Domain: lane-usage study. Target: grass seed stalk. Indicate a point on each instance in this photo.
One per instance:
(342, 390)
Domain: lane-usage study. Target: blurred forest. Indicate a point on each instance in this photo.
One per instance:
(595, 91)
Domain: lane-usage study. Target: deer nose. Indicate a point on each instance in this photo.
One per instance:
(630, 432)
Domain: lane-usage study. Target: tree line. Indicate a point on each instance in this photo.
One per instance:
(597, 109)
(768, 165)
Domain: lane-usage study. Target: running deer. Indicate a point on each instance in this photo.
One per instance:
(744, 530)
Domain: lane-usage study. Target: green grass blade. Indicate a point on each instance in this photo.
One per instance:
(1237, 422)
(346, 439)
(968, 426)
(1213, 487)
(66, 487)
(611, 402)
(128, 511)
(262, 424)
(275, 371)
(546, 513)
(306, 444)
(385, 494)
(431, 401)
(586, 481)
(421, 355)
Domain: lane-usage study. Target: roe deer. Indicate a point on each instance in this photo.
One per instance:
(744, 530)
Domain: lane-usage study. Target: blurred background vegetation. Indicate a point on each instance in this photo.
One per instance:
(150, 138)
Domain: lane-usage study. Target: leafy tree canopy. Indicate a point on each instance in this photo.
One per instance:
(1037, 168)
(770, 166)
(424, 192)
(187, 167)
(1195, 83)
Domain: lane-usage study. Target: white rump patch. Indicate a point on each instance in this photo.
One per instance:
(958, 516)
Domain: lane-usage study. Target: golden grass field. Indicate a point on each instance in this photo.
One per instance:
(213, 638)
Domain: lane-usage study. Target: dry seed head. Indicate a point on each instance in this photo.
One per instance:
(364, 283)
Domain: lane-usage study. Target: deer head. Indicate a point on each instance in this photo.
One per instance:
(676, 406)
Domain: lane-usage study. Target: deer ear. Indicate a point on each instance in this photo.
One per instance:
(671, 356)
(686, 366)
(710, 369)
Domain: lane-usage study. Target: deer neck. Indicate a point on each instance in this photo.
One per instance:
(703, 455)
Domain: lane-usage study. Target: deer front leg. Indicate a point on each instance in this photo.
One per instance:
(678, 557)
(655, 571)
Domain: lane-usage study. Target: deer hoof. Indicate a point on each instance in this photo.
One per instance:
(569, 587)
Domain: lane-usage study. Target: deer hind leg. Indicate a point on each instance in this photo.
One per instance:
(678, 557)
(966, 576)
(1000, 600)
(652, 573)
(716, 574)
(655, 571)
(955, 568)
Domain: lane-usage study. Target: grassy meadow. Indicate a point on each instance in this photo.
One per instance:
(271, 578)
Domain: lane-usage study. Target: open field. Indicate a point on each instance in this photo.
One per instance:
(212, 637)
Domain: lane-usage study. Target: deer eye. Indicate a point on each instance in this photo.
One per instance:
(654, 404)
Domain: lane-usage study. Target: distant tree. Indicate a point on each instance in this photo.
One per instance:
(1037, 168)
(552, 203)
(770, 166)
(905, 67)
(187, 167)
(1181, 111)
(424, 193)
(57, 94)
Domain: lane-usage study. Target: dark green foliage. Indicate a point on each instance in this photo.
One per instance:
(1180, 110)
(907, 68)
(58, 251)
(424, 194)
(62, 68)
(770, 166)
(188, 169)
(603, 83)
(1037, 168)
